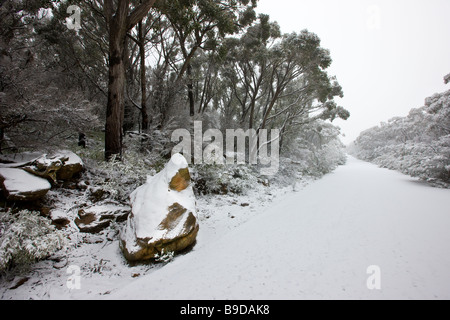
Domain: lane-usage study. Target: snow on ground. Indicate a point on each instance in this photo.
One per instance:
(103, 269)
(319, 243)
(314, 243)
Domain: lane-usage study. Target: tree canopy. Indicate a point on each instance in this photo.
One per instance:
(149, 65)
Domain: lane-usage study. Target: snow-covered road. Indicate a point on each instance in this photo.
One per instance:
(318, 243)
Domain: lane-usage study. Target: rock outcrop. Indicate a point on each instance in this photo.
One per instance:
(63, 165)
(19, 185)
(163, 216)
(72, 165)
(29, 180)
(45, 167)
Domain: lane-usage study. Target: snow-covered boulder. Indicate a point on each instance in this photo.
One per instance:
(45, 167)
(62, 165)
(19, 185)
(163, 215)
(72, 164)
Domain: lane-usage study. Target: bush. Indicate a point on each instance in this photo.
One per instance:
(222, 179)
(117, 179)
(120, 178)
(25, 238)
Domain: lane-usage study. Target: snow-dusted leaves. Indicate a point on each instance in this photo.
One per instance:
(26, 237)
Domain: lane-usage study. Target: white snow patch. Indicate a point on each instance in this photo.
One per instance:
(315, 243)
(73, 158)
(318, 244)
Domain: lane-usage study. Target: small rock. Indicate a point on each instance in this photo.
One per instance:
(96, 194)
(61, 223)
(19, 282)
(90, 223)
(59, 218)
(98, 217)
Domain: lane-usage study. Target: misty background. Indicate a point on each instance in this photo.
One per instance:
(387, 55)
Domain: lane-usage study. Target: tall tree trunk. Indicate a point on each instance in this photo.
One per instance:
(252, 114)
(190, 86)
(119, 20)
(187, 68)
(144, 114)
(2, 137)
(116, 90)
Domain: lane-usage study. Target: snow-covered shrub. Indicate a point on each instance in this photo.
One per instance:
(317, 150)
(328, 157)
(223, 179)
(120, 178)
(156, 141)
(26, 237)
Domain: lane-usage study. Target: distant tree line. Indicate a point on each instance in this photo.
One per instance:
(418, 144)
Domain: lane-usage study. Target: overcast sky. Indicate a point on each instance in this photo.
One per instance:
(388, 55)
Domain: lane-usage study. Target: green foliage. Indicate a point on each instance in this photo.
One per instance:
(44, 99)
(200, 16)
(278, 81)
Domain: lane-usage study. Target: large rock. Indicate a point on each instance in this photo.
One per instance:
(19, 185)
(45, 167)
(63, 165)
(72, 164)
(163, 215)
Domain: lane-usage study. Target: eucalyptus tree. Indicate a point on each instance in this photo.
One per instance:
(121, 16)
(199, 25)
(281, 80)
